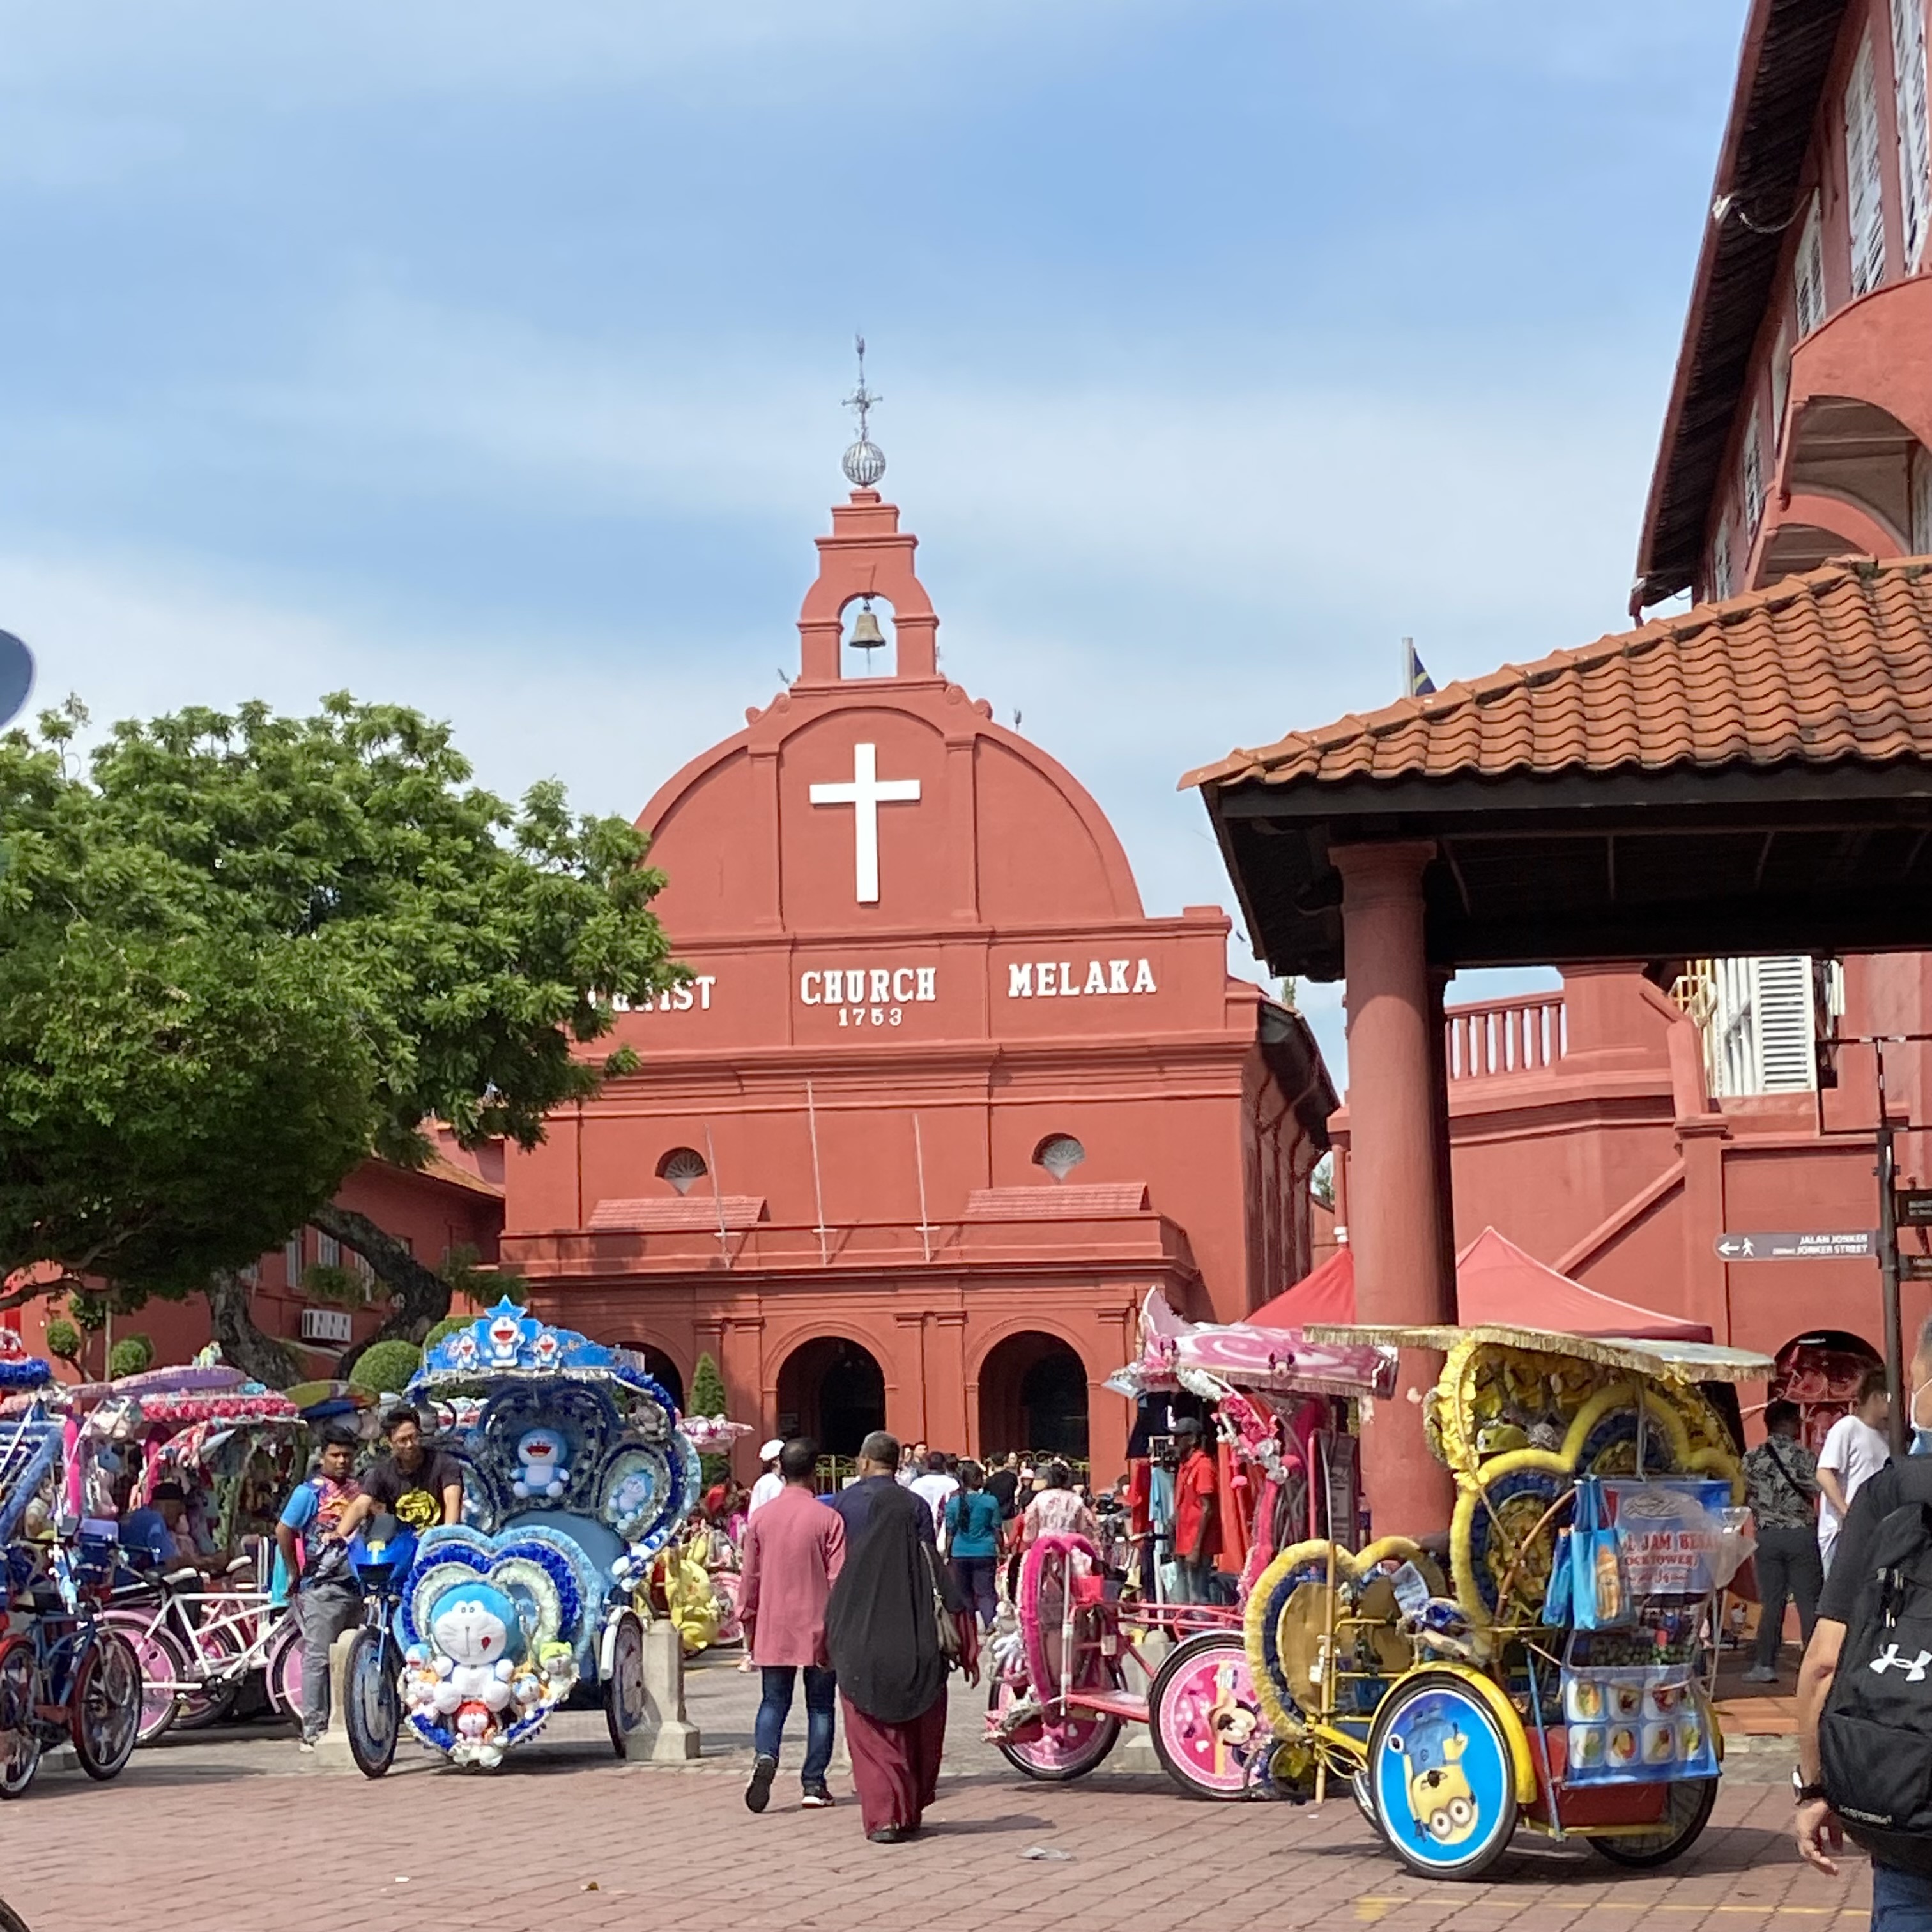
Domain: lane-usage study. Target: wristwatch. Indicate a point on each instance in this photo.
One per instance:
(1802, 1793)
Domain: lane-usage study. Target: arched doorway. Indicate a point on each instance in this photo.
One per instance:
(657, 1363)
(1032, 1396)
(833, 1390)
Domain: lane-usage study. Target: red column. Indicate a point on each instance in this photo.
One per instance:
(1397, 1216)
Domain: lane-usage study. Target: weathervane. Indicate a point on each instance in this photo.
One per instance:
(865, 462)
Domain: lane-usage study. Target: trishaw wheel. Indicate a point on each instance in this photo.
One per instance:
(624, 1684)
(374, 1714)
(1441, 1776)
(163, 1664)
(283, 1671)
(1053, 1753)
(19, 1742)
(1362, 1791)
(1687, 1810)
(104, 1705)
(1205, 1716)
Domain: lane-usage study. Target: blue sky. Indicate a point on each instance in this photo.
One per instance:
(488, 356)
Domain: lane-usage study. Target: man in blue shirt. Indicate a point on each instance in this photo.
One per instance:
(147, 1533)
(312, 1561)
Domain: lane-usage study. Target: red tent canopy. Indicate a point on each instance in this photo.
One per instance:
(1327, 1293)
(1495, 1281)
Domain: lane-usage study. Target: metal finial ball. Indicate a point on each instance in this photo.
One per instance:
(865, 463)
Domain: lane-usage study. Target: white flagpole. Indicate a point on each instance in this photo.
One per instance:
(919, 1153)
(1408, 667)
(717, 1199)
(818, 1184)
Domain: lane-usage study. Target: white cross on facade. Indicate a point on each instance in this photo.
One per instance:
(865, 795)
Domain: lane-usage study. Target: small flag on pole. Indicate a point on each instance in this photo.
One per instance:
(1415, 679)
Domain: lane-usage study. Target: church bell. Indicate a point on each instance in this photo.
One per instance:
(866, 635)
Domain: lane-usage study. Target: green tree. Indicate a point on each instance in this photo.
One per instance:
(707, 1398)
(240, 952)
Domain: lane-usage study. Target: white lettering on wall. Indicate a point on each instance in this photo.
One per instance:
(694, 992)
(868, 995)
(1046, 978)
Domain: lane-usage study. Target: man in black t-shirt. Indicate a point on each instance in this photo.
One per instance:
(1003, 1484)
(421, 1487)
(1898, 1896)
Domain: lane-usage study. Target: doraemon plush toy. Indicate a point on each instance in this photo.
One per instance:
(477, 1638)
(541, 1470)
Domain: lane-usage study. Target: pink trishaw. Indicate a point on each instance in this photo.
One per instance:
(1075, 1657)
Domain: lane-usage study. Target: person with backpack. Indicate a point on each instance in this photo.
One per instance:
(1781, 1485)
(1864, 1689)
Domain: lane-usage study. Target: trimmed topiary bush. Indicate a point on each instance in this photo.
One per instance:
(130, 1356)
(386, 1368)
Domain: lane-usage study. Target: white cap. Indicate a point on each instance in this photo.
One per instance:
(770, 1452)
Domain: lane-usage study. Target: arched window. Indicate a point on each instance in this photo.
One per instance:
(1060, 1154)
(684, 1168)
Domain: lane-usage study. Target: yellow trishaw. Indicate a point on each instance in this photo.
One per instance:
(1455, 1708)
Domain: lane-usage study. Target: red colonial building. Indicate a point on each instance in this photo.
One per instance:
(940, 1102)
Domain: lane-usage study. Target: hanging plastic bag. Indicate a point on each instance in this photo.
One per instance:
(1599, 1594)
(1556, 1596)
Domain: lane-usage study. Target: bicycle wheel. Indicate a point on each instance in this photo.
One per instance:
(283, 1671)
(1052, 1753)
(214, 1694)
(104, 1705)
(373, 1712)
(19, 1741)
(164, 1669)
(624, 1685)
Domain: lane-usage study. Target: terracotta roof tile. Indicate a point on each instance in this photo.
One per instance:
(660, 1212)
(1833, 665)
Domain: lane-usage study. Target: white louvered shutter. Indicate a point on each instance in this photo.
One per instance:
(1808, 272)
(1922, 502)
(1750, 474)
(1781, 384)
(1915, 141)
(1865, 199)
(1785, 1018)
(1720, 559)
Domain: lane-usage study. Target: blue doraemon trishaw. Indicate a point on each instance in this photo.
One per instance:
(575, 1475)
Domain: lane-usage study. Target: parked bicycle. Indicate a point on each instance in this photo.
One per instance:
(198, 1645)
(65, 1674)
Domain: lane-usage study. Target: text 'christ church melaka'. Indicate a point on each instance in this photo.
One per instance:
(941, 1102)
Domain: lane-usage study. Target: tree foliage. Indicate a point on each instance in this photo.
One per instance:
(707, 1398)
(385, 1368)
(240, 952)
(130, 1356)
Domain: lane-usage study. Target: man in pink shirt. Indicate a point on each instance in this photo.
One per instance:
(794, 1548)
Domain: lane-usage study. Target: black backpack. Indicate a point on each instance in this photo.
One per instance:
(1875, 1737)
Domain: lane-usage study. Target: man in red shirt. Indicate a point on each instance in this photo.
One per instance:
(1197, 1523)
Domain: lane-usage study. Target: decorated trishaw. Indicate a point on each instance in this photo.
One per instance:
(1560, 1676)
(203, 1628)
(64, 1676)
(575, 1475)
(1073, 1661)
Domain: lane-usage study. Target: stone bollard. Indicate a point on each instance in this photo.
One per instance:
(665, 1736)
(331, 1748)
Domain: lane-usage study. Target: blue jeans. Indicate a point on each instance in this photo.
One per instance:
(975, 1576)
(1901, 1900)
(821, 1694)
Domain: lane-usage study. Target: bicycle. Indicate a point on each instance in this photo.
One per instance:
(66, 1674)
(372, 1684)
(196, 1646)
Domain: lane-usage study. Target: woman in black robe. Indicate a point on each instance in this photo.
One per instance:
(882, 1628)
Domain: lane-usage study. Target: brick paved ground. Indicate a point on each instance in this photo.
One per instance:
(231, 1832)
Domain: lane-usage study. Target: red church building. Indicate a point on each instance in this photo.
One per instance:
(940, 1102)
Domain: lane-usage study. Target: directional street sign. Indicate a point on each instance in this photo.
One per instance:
(1914, 1206)
(1915, 1268)
(1857, 1245)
